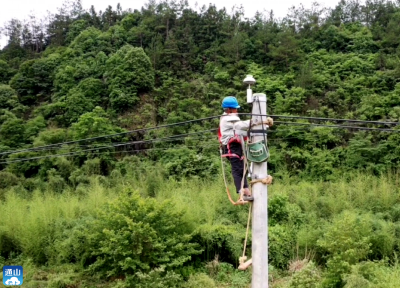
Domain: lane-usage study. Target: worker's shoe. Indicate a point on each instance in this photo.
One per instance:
(247, 198)
(246, 192)
(246, 195)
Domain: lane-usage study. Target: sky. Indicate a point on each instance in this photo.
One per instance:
(20, 9)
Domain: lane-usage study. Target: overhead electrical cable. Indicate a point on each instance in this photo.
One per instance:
(326, 119)
(169, 138)
(98, 152)
(112, 135)
(122, 144)
(337, 126)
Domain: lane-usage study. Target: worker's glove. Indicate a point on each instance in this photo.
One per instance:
(269, 121)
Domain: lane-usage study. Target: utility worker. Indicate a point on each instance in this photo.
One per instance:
(232, 144)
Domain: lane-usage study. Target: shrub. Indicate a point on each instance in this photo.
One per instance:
(373, 275)
(280, 211)
(8, 97)
(8, 245)
(281, 244)
(348, 237)
(132, 235)
(220, 239)
(7, 179)
(61, 281)
(200, 280)
(128, 72)
(307, 277)
(185, 162)
(157, 278)
(347, 240)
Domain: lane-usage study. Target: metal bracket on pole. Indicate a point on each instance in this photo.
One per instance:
(258, 132)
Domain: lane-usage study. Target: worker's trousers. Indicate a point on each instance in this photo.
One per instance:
(236, 164)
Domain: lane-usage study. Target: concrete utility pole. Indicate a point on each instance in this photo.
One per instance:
(258, 155)
(260, 203)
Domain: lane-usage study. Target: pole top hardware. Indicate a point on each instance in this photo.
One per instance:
(249, 80)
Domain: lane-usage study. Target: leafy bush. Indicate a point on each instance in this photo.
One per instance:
(347, 240)
(185, 162)
(12, 132)
(307, 277)
(200, 280)
(219, 239)
(348, 237)
(34, 80)
(8, 245)
(7, 179)
(132, 234)
(90, 40)
(226, 274)
(281, 245)
(373, 274)
(129, 71)
(5, 72)
(280, 211)
(157, 278)
(8, 97)
(91, 124)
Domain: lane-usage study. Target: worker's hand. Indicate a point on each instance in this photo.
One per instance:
(269, 121)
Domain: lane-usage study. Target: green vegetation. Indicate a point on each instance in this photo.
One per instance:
(129, 211)
(336, 234)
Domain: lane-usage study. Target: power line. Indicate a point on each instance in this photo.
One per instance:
(326, 119)
(170, 138)
(46, 147)
(111, 135)
(164, 139)
(98, 152)
(53, 147)
(120, 152)
(110, 146)
(98, 144)
(338, 126)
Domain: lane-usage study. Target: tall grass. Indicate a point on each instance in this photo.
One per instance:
(364, 192)
(29, 221)
(205, 202)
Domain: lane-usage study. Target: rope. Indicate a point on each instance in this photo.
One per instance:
(269, 122)
(244, 257)
(240, 201)
(267, 180)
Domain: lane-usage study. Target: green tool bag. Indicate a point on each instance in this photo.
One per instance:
(257, 152)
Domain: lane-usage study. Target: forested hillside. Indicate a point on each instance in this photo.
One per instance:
(78, 74)
(168, 63)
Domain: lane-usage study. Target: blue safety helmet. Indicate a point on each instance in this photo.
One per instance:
(230, 102)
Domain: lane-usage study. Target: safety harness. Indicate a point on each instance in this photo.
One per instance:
(235, 138)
